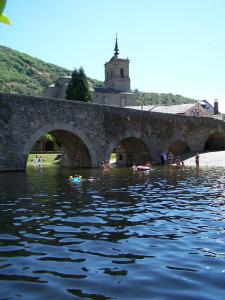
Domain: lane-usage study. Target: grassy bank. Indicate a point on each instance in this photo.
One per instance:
(49, 158)
(113, 157)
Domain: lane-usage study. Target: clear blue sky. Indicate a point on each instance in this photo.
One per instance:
(175, 46)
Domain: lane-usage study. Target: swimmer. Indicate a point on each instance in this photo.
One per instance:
(134, 167)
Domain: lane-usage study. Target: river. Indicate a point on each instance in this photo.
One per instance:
(120, 235)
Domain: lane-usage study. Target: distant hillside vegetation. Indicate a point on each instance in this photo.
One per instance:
(145, 98)
(23, 74)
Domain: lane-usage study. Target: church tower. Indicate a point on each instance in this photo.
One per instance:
(117, 72)
(116, 90)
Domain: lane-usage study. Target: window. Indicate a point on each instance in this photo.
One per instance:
(105, 100)
(123, 101)
(196, 112)
(121, 73)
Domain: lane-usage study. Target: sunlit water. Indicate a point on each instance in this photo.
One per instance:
(123, 235)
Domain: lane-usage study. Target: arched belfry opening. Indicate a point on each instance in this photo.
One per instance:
(215, 142)
(72, 151)
(121, 73)
(131, 150)
(179, 148)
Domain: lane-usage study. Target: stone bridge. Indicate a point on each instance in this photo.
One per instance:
(89, 133)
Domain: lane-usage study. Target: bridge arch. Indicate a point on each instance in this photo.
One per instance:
(77, 150)
(129, 150)
(215, 141)
(179, 147)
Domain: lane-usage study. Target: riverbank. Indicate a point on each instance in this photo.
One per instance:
(216, 158)
(50, 158)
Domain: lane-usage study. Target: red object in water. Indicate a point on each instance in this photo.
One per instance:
(143, 168)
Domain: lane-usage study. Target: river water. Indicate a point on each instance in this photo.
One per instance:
(123, 235)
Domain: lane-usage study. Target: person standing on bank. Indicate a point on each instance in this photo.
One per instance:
(197, 161)
(178, 162)
(163, 157)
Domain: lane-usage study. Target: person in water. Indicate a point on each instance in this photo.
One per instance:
(105, 165)
(178, 161)
(170, 158)
(147, 164)
(75, 177)
(102, 164)
(134, 167)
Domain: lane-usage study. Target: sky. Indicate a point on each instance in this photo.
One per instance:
(174, 46)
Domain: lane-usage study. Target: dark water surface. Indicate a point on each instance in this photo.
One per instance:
(124, 235)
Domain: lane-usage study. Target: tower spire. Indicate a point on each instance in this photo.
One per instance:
(116, 49)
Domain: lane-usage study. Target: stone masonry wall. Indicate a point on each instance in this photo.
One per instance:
(98, 129)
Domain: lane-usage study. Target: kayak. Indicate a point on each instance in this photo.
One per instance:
(143, 168)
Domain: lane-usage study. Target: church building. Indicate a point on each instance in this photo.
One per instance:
(116, 88)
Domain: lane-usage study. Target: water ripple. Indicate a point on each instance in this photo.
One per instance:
(122, 236)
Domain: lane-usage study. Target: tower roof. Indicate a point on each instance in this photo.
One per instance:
(116, 49)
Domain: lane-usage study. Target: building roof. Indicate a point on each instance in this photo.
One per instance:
(169, 109)
(174, 109)
(66, 76)
(207, 106)
(125, 93)
(104, 90)
(142, 107)
(111, 91)
(116, 49)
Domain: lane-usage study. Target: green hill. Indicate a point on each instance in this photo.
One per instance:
(23, 74)
(145, 98)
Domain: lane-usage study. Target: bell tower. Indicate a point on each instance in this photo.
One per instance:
(116, 90)
(117, 72)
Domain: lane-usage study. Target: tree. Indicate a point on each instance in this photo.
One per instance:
(3, 18)
(48, 137)
(78, 88)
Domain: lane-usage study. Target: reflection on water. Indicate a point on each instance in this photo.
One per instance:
(121, 235)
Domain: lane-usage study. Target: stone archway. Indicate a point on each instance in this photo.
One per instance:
(74, 151)
(77, 151)
(215, 142)
(131, 150)
(179, 148)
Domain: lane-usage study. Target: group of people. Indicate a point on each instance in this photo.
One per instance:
(105, 165)
(165, 158)
(38, 159)
(171, 159)
(178, 162)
